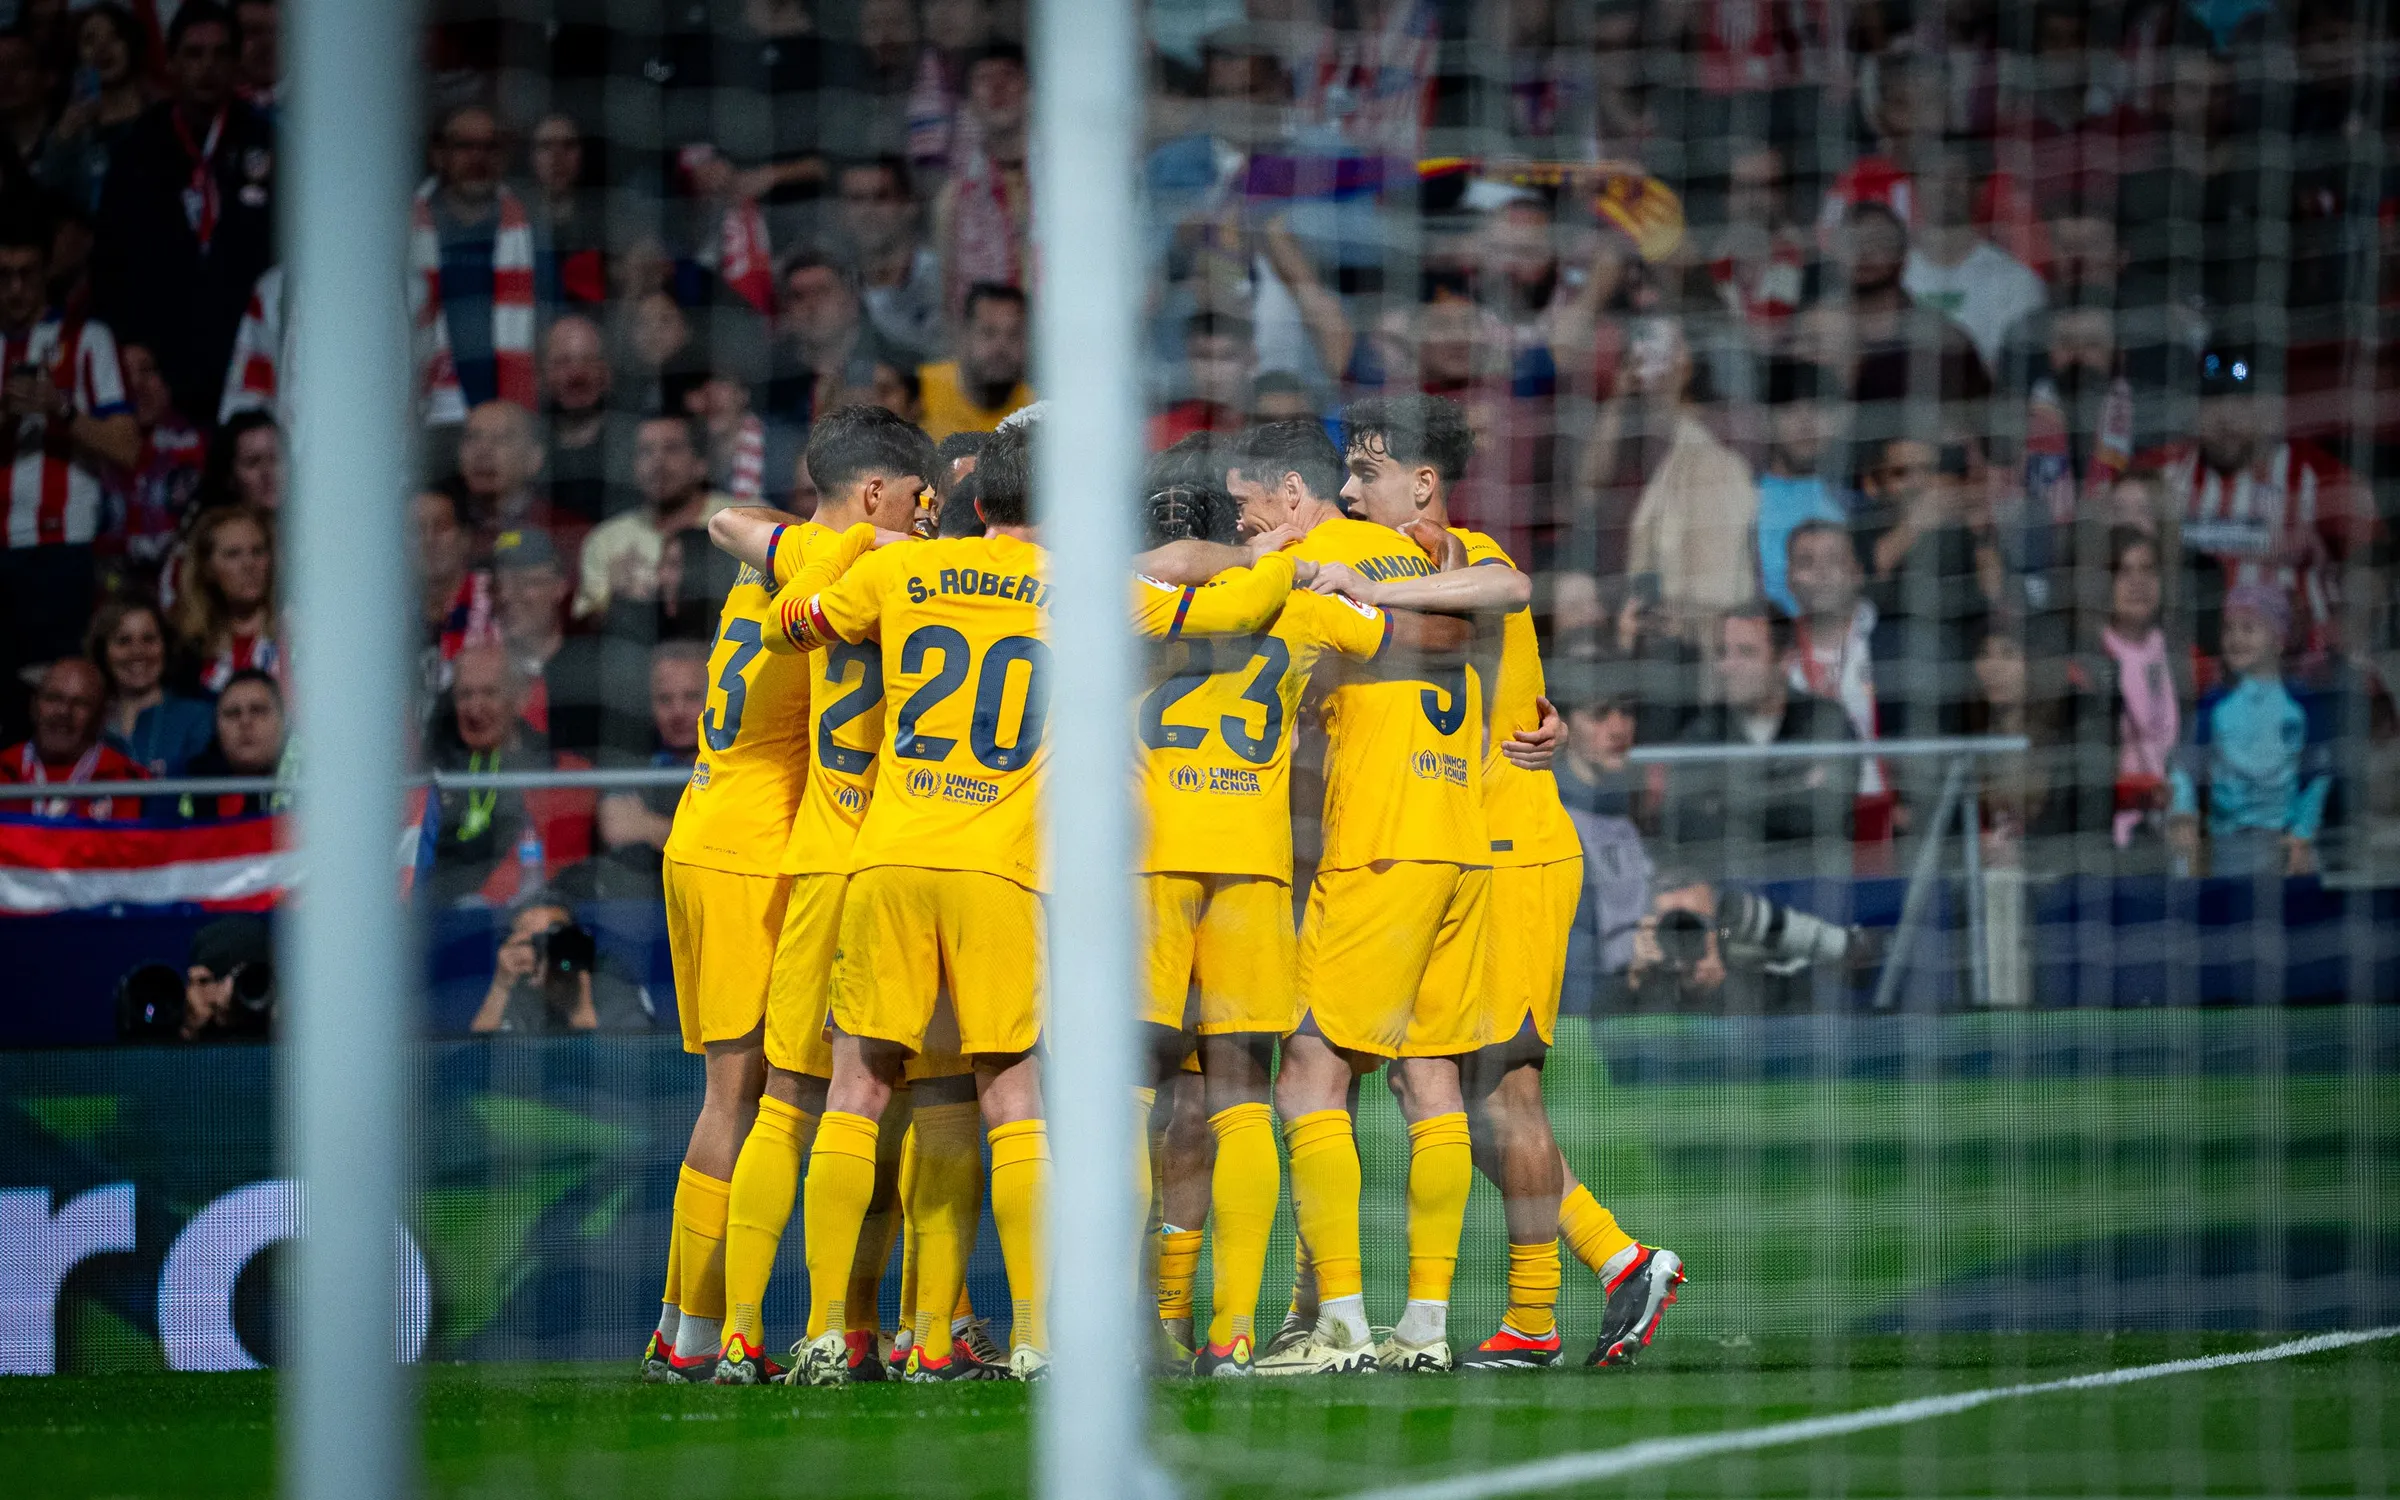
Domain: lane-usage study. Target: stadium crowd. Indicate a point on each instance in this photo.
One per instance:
(1875, 371)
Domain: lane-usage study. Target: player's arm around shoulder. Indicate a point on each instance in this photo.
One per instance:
(1241, 601)
(838, 595)
(755, 534)
(1410, 637)
(1472, 577)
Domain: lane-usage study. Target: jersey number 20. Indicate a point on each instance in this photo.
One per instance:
(991, 689)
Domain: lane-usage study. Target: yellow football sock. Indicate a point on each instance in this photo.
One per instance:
(766, 1178)
(1325, 1186)
(1243, 1188)
(1533, 1289)
(1178, 1268)
(841, 1184)
(1020, 1191)
(947, 1184)
(1590, 1230)
(860, 1310)
(1441, 1168)
(908, 1230)
(701, 1227)
(1145, 1183)
(673, 1295)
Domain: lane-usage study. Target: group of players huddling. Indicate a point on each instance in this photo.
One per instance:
(853, 905)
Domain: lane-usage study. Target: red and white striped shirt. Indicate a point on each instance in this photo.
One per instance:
(2287, 521)
(52, 496)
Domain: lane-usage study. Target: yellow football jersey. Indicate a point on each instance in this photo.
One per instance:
(966, 677)
(845, 717)
(1527, 823)
(1403, 743)
(1216, 731)
(736, 812)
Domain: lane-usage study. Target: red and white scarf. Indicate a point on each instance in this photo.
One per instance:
(1843, 672)
(746, 474)
(990, 222)
(512, 310)
(254, 376)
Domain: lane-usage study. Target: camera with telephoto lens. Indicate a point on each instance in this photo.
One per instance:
(1757, 932)
(564, 952)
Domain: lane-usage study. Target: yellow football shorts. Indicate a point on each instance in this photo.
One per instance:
(1392, 958)
(1525, 964)
(812, 930)
(722, 930)
(905, 930)
(1231, 937)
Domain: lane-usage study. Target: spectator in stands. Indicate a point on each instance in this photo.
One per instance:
(654, 344)
(249, 742)
(1696, 524)
(983, 216)
(1927, 570)
(24, 101)
(1758, 261)
(499, 466)
(113, 49)
(1593, 774)
(1834, 652)
(67, 746)
(187, 219)
(2261, 508)
(225, 616)
(457, 609)
(2259, 751)
(541, 987)
(561, 671)
(2142, 684)
(973, 392)
(62, 399)
(1771, 805)
(736, 438)
(632, 827)
(1960, 274)
(158, 729)
(258, 69)
(570, 269)
(159, 492)
(621, 556)
(2037, 795)
(823, 342)
(1892, 348)
(245, 465)
(588, 449)
(1280, 396)
(1792, 491)
(491, 845)
(471, 287)
(900, 278)
(1219, 361)
(895, 388)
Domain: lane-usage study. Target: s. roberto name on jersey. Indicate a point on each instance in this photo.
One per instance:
(1024, 587)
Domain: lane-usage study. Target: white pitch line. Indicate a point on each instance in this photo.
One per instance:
(1543, 1474)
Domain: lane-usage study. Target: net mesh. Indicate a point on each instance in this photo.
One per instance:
(2005, 385)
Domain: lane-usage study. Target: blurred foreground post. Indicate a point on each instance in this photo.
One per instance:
(1087, 128)
(348, 1023)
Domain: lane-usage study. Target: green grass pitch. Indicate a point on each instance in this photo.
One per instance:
(2324, 1424)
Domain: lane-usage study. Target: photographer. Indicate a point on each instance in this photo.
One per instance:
(546, 980)
(225, 993)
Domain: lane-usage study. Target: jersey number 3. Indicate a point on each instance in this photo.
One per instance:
(719, 736)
